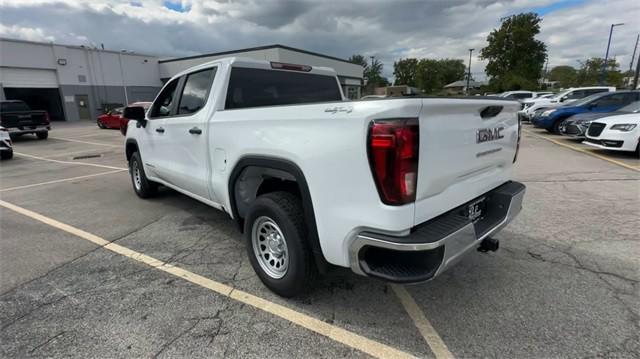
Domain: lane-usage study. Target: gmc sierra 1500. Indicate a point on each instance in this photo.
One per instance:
(398, 189)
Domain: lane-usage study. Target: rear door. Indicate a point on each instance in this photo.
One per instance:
(467, 147)
(185, 153)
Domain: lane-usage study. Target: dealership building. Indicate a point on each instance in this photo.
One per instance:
(80, 82)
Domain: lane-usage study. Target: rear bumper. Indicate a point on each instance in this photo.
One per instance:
(437, 244)
(28, 129)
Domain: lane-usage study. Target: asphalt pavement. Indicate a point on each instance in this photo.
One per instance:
(565, 282)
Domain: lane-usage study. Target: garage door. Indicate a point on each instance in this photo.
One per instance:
(31, 78)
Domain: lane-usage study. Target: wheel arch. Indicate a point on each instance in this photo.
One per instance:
(251, 173)
(131, 146)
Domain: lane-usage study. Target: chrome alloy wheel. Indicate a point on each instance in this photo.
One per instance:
(137, 176)
(270, 247)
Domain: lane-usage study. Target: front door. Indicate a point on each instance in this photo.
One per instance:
(82, 102)
(185, 161)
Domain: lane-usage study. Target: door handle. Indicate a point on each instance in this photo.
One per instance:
(160, 130)
(195, 131)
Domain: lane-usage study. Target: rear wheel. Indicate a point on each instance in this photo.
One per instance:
(43, 135)
(143, 187)
(101, 125)
(277, 244)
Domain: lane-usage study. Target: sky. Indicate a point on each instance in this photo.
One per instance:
(573, 30)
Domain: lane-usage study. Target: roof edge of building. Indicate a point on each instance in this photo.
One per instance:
(81, 47)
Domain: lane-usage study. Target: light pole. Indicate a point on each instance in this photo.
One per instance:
(469, 71)
(603, 72)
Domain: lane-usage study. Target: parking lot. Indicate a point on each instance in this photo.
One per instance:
(90, 270)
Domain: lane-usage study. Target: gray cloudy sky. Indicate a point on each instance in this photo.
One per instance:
(572, 29)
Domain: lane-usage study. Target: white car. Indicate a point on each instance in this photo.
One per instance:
(6, 146)
(533, 105)
(518, 95)
(398, 188)
(616, 133)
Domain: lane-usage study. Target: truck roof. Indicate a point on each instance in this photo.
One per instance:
(256, 64)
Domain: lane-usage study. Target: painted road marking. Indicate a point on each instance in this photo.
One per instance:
(69, 162)
(350, 339)
(437, 345)
(622, 164)
(60, 180)
(87, 142)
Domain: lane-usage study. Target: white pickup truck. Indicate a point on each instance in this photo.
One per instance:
(398, 189)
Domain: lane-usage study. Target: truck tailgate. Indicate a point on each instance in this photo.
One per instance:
(23, 119)
(466, 149)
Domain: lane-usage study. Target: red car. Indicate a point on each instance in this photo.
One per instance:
(114, 119)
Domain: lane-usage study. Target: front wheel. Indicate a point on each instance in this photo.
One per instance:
(143, 187)
(101, 125)
(556, 126)
(277, 244)
(6, 155)
(43, 135)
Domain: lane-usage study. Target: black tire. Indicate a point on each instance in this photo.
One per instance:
(143, 187)
(286, 211)
(42, 135)
(638, 150)
(6, 155)
(100, 124)
(556, 126)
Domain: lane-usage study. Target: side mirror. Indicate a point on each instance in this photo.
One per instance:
(563, 98)
(136, 113)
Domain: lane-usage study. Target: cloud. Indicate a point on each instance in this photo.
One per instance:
(389, 30)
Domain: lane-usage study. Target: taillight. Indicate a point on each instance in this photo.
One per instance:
(393, 156)
(518, 143)
(46, 118)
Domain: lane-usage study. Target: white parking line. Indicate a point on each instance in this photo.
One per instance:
(68, 162)
(340, 335)
(87, 142)
(438, 347)
(60, 180)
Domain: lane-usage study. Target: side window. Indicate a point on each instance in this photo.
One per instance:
(164, 103)
(612, 100)
(522, 95)
(195, 91)
(576, 95)
(594, 91)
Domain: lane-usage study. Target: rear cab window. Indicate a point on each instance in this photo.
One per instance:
(249, 87)
(14, 106)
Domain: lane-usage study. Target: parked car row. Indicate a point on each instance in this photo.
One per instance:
(607, 119)
(535, 106)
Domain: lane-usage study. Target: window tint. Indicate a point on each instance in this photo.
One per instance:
(164, 103)
(576, 94)
(14, 106)
(592, 91)
(618, 99)
(521, 95)
(258, 87)
(195, 91)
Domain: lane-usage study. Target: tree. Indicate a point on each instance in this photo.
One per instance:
(590, 70)
(566, 76)
(372, 72)
(515, 57)
(358, 60)
(405, 72)
(432, 75)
